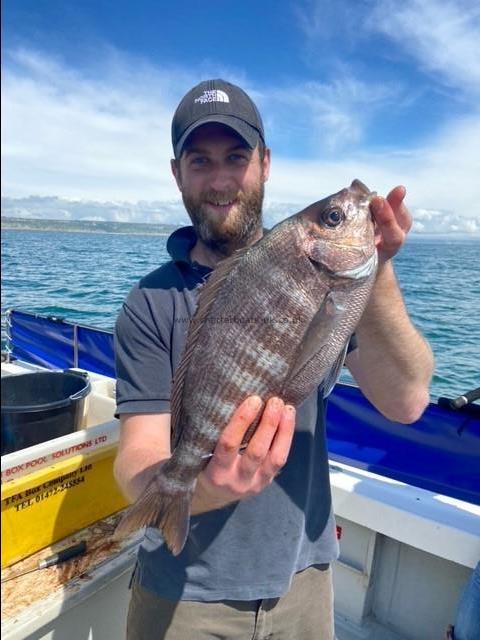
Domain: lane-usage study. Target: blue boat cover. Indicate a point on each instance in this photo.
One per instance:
(57, 344)
(440, 452)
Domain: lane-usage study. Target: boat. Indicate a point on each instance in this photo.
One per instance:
(406, 500)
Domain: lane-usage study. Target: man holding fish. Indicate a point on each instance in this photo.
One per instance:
(225, 356)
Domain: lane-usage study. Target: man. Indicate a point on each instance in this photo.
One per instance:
(256, 563)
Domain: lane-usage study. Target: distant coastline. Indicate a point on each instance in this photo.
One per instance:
(87, 226)
(150, 229)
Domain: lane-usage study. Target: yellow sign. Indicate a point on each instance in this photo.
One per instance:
(47, 505)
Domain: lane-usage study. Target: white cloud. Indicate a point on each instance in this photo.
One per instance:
(53, 208)
(442, 35)
(442, 175)
(66, 134)
(418, 227)
(330, 115)
(106, 138)
(426, 214)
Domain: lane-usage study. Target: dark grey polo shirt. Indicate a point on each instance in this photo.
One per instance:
(249, 550)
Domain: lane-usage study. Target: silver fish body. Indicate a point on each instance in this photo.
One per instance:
(272, 321)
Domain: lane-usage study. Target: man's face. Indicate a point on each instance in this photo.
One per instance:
(222, 185)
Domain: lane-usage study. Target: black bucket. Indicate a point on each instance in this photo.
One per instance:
(41, 406)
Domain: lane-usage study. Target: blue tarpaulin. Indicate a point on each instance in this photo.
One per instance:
(439, 452)
(57, 344)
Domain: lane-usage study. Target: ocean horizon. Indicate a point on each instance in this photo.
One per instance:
(86, 225)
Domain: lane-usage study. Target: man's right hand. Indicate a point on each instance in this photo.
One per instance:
(234, 473)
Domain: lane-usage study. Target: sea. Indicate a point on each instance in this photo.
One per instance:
(84, 278)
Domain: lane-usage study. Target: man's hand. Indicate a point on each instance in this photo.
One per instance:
(393, 222)
(233, 474)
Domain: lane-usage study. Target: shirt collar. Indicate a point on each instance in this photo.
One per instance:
(179, 245)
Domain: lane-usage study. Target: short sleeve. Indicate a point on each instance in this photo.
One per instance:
(142, 357)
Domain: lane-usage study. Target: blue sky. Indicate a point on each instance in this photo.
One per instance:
(376, 89)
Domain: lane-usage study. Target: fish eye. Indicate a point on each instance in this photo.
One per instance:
(333, 217)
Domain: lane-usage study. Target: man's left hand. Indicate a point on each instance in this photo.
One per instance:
(393, 222)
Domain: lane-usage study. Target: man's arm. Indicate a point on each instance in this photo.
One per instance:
(144, 445)
(230, 475)
(393, 364)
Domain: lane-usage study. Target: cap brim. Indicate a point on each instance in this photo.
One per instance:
(242, 128)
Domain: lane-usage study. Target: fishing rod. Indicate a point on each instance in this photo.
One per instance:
(53, 560)
(468, 398)
(465, 400)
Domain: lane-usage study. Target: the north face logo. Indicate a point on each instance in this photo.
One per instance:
(214, 95)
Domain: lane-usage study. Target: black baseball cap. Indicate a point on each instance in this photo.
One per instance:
(216, 101)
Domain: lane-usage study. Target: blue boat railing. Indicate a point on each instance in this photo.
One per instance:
(55, 343)
(440, 452)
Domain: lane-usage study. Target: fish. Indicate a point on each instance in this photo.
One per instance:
(273, 319)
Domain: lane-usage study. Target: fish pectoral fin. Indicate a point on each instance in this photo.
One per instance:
(169, 512)
(319, 332)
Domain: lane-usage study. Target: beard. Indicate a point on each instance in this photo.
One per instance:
(225, 234)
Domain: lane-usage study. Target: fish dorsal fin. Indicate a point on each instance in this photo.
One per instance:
(206, 298)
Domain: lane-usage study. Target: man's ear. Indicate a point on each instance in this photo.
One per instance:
(175, 167)
(266, 164)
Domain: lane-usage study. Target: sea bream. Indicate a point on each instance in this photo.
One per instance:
(274, 319)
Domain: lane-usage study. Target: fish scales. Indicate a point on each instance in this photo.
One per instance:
(273, 320)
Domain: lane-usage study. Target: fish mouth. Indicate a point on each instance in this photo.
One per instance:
(350, 246)
(362, 271)
(342, 259)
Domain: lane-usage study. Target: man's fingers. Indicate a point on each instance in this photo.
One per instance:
(391, 212)
(383, 213)
(262, 439)
(282, 442)
(389, 235)
(229, 442)
(395, 199)
(237, 476)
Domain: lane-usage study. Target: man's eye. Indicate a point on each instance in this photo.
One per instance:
(238, 158)
(199, 161)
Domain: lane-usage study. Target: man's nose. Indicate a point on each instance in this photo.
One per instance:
(221, 178)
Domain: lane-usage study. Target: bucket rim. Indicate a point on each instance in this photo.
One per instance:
(58, 404)
(32, 408)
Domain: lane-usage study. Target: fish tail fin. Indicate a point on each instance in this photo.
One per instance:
(169, 512)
